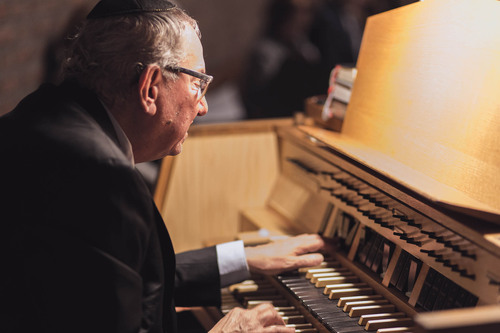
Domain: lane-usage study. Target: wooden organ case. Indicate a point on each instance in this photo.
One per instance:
(410, 186)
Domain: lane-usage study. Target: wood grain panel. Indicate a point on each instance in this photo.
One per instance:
(426, 94)
(215, 176)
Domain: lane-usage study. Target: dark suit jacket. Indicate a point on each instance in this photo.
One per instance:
(83, 248)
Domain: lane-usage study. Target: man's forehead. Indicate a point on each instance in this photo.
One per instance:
(194, 50)
(105, 8)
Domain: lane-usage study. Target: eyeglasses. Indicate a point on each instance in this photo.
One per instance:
(204, 79)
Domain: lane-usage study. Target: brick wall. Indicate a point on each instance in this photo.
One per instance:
(27, 27)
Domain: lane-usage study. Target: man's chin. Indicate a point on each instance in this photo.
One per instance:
(176, 150)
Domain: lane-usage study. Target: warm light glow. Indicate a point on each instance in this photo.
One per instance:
(426, 93)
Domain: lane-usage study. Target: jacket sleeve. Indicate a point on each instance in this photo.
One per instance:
(197, 280)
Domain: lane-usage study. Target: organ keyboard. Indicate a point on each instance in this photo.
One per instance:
(392, 261)
(408, 189)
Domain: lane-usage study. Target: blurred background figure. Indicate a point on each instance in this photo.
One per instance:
(302, 42)
(284, 64)
(338, 29)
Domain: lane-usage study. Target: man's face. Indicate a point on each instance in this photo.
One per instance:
(178, 105)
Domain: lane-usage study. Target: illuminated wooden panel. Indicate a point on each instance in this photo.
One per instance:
(425, 105)
(222, 169)
(427, 92)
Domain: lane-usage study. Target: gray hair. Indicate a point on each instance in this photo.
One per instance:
(107, 55)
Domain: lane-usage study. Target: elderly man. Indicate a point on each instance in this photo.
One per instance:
(83, 246)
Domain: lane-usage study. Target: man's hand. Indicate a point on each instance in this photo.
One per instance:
(285, 254)
(261, 319)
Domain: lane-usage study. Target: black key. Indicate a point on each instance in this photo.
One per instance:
(443, 294)
(460, 301)
(439, 303)
(429, 280)
(373, 251)
(345, 326)
(402, 283)
(366, 247)
(351, 329)
(399, 267)
(326, 218)
(433, 293)
(471, 300)
(449, 302)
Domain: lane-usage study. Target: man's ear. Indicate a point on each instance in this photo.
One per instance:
(148, 88)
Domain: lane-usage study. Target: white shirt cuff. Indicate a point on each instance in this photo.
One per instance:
(232, 263)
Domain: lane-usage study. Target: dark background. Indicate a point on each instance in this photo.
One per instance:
(31, 36)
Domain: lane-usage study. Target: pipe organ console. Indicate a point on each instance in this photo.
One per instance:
(407, 190)
(398, 254)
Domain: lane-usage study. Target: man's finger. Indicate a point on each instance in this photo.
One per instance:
(309, 243)
(278, 329)
(306, 260)
(268, 315)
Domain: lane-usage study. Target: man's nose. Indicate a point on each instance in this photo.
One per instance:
(202, 107)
